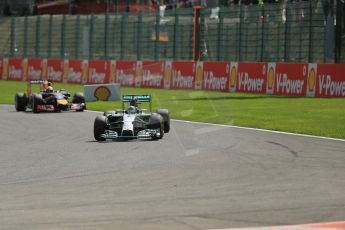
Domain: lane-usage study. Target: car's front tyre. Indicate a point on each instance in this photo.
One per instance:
(156, 122)
(99, 128)
(166, 118)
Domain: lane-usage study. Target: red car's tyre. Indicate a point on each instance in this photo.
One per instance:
(20, 101)
(36, 100)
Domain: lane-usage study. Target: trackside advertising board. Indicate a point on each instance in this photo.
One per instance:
(15, 69)
(182, 75)
(198, 75)
(151, 74)
(75, 71)
(289, 79)
(330, 80)
(55, 69)
(99, 72)
(32, 68)
(125, 73)
(233, 76)
(167, 74)
(216, 76)
(251, 77)
(285, 79)
(102, 92)
(112, 75)
(5, 69)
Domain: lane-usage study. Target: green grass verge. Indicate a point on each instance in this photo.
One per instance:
(314, 116)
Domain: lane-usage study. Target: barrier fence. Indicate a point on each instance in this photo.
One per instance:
(296, 32)
(288, 79)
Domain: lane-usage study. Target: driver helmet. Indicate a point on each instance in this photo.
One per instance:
(133, 102)
(132, 110)
(49, 89)
(45, 85)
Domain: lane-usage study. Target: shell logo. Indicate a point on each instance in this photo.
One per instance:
(112, 72)
(233, 75)
(44, 66)
(311, 80)
(198, 75)
(270, 78)
(5, 69)
(25, 68)
(102, 93)
(85, 71)
(167, 75)
(65, 70)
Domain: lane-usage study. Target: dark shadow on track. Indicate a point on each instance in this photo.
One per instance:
(123, 141)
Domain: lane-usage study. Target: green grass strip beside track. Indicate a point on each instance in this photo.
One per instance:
(313, 116)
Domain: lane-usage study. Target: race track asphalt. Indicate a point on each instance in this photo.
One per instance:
(53, 175)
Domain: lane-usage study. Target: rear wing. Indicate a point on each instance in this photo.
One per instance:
(35, 82)
(139, 99)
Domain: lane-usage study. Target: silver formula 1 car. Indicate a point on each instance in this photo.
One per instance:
(132, 123)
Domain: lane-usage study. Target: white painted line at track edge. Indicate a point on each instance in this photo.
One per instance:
(261, 130)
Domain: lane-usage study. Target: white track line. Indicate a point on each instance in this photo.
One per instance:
(262, 130)
(253, 129)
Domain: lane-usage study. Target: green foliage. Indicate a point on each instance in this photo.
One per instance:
(314, 116)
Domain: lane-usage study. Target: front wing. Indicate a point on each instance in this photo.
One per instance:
(77, 106)
(52, 108)
(143, 134)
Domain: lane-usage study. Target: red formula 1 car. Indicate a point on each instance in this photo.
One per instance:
(48, 99)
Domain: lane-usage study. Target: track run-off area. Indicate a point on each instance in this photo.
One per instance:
(54, 175)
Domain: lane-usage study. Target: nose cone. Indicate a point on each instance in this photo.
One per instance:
(62, 102)
(127, 125)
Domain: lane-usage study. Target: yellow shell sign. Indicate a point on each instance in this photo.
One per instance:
(311, 80)
(112, 71)
(270, 78)
(102, 93)
(198, 76)
(167, 75)
(233, 75)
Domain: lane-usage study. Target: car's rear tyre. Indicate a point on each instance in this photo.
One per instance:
(99, 127)
(166, 117)
(79, 98)
(20, 101)
(156, 122)
(36, 101)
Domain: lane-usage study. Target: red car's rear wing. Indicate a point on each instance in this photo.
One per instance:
(34, 82)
